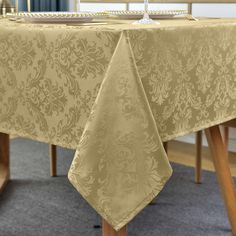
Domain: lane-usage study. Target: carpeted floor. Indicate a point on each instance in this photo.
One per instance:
(35, 204)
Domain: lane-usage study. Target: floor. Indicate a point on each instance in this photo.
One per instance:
(184, 154)
(34, 204)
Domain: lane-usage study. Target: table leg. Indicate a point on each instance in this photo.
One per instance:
(165, 144)
(107, 230)
(221, 163)
(53, 160)
(4, 160)
(226, 137)
(198, 164)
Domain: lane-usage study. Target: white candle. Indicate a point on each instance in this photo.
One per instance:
(29, 5)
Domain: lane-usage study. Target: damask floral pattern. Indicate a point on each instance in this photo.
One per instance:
(195, 71)
(47, 77)
(129, 166)
(2, 91)
(114, 93)
(73, 56)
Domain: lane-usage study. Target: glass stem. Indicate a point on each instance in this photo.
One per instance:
(17, 6)
(146, 9)
(78, 6)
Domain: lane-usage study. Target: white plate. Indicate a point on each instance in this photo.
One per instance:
(152, 14)
(57, 17)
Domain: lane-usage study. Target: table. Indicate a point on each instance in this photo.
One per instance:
(114, 93)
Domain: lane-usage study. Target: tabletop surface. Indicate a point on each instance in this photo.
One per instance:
(119, 24)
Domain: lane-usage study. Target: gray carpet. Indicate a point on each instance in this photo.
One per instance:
(35, 204)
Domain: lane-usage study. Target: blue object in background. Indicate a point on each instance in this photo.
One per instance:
(44, 5)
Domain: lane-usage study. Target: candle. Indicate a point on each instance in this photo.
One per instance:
(29, 5)
(78, 5)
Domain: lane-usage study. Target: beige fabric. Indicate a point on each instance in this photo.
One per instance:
(125, 88)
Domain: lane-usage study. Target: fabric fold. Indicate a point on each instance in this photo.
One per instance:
(120, 164)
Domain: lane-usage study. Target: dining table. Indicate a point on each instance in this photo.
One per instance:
(114, 91)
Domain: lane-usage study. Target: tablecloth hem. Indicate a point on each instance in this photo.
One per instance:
(164, 139)
(35, 138)
(124, 221)
(198, 128)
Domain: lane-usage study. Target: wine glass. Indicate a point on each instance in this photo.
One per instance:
(77, 6)
(146, 20)
(17, 5)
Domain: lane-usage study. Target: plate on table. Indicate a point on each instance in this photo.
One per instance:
(152, 14)
(57, 17)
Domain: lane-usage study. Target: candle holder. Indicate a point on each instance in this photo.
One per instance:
(6, 7)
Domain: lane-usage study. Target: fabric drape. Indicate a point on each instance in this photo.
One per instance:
(115, 93)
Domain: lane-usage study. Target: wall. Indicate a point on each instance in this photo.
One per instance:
(211, 10)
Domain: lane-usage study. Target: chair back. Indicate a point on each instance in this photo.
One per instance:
(28, 5)
(189, 2)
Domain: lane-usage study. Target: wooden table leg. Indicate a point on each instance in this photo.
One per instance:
(4, 160)
(165, 144)
(221, 163)
(226, 138)
(107, 230)
(53, 159)
(198, 163)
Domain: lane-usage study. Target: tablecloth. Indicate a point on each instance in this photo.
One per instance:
(114, 93)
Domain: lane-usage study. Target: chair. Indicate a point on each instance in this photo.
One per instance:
(28, 5)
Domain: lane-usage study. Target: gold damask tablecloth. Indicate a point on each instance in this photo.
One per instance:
(114, 93)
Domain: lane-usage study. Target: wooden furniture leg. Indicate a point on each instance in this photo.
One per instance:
(53, 160)
(107, 230)
(198, 164)
(4, 160)
(221, 163)
(165, 144)
(226, 138)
